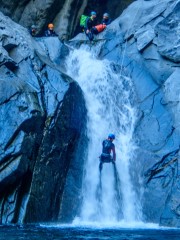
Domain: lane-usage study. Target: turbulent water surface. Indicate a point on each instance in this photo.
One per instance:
(28, 232)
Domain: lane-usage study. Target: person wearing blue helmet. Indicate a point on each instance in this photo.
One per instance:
(108, 147)
(106, 19)
(90, 23)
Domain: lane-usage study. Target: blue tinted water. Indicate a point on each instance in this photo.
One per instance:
(32, 232)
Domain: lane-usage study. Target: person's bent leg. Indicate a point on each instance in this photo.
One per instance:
(90, 36)
(94, 31)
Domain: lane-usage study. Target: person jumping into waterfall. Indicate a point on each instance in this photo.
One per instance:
(107, 147)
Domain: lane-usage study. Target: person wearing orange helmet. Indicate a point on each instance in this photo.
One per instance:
(50, 31)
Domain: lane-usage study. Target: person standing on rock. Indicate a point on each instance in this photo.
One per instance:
(106, 19)
(107, 147)
(50, 31)
(90, 23)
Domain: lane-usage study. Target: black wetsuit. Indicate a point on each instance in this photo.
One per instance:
(106, 21)
(50, 33)
(90, 23)
(106, 157)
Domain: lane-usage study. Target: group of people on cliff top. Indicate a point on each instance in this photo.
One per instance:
(88, 25)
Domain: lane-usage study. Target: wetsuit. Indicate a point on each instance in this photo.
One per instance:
(90, 23)
(107, 147)
(106, 21)
(50, 33)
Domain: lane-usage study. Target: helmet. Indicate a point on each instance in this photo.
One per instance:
(111, 135)
(93, 13)
(33, 27)
(106, 15)
(50, 25)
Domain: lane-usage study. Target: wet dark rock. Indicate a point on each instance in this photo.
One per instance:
(60, 158)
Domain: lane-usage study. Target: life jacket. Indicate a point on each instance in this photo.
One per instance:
(100, 27)
(83, 20)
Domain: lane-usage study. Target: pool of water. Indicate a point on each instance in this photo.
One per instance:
(47, 232)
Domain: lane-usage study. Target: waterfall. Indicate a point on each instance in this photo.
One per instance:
(109, 197)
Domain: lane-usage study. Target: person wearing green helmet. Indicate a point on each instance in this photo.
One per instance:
(107, 147)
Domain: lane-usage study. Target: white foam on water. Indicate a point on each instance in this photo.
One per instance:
(118, 226)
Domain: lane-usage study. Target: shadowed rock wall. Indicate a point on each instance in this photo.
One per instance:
(55, 157)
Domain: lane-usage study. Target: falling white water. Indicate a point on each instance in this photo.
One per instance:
(109, 109)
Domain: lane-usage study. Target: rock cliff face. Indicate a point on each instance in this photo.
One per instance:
(65, 14)
(150, 54)
(40, 163)
(42, 123)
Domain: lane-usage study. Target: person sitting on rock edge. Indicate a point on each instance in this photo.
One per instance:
(90, 23)
(106, 20)
(33, 31)
(108, 147)
(50, 31)
(98, 28)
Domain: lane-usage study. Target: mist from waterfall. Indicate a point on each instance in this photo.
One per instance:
(109, 101)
